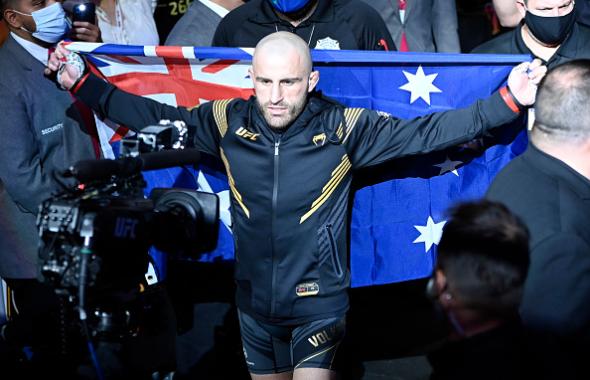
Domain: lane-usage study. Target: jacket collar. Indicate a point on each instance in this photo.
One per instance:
(558, 170)
(267, 15)
(18, 53)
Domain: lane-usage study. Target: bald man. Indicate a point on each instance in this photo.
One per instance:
(289, 155)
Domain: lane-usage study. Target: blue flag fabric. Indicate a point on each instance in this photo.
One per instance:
(399, 208)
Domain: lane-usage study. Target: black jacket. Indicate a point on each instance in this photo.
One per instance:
(352, 24)
(575, 46)
(554, 202)
(290, 190)
(497, 354)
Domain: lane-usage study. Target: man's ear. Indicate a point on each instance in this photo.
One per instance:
(441, 280)
(12, 19)
(251, 74)
(521, 7)
(314, 78)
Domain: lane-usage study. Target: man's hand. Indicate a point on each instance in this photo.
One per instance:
(85, 32)
(524, 80)
(68, 66)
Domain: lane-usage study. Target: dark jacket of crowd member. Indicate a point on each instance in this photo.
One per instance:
(549, 188)
(323, 24)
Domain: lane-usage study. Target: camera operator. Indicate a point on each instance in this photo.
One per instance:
(291, 245)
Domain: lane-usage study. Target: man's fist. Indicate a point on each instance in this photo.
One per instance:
(68, 66)
(524, 80)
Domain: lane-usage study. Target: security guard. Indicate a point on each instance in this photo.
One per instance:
(549, 32)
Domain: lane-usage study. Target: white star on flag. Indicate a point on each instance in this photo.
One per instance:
(224, 203)
(449, 166)
(420, 85)
(430, 233)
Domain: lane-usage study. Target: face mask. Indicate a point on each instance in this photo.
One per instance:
(52, 23)
(287, 6)
(550, 30)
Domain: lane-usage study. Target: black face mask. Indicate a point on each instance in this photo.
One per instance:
(550, 30)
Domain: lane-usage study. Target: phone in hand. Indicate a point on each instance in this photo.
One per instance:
(84, 12)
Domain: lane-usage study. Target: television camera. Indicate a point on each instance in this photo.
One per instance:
(95, 237)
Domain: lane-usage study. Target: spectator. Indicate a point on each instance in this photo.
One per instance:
(549, 188)
(323, 24)
(197, 26)
(481, 267)
(127, 22)
(167, 14)
(510, 17)
(420, 25)
(549, 32)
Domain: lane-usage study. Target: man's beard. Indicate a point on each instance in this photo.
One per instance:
(284, 121)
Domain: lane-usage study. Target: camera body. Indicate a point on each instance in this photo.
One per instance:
(115, 232)
(84, 12)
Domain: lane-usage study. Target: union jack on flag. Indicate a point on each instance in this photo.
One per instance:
(399, 208)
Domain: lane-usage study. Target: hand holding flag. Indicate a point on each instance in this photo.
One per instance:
(524, 80)
(68, 65)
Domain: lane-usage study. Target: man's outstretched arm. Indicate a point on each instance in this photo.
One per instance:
(132, 111)
(375, 138)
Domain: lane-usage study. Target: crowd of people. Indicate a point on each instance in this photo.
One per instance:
(512, 277)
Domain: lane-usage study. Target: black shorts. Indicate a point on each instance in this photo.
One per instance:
(271, 348)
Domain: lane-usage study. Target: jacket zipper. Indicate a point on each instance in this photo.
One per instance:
(275, 192)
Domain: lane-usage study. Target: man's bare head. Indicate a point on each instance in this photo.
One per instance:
(561, 110)
(562, 115)
(282, 75)
(282, 44)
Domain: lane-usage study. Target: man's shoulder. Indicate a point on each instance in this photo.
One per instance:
(525, 189)
(502, 44)
(195, 28)
(12, 63)
(242, 13)
(542, 198)
(582, 47)
(584, 31)
(7, 55)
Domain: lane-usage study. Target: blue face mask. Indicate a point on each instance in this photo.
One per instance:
(52, 23)
(287, 6)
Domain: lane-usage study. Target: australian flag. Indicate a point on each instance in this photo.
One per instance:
(399, 208)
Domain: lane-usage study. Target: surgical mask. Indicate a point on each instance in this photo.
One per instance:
(52, 23)
(550, 30)
(287, 6)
